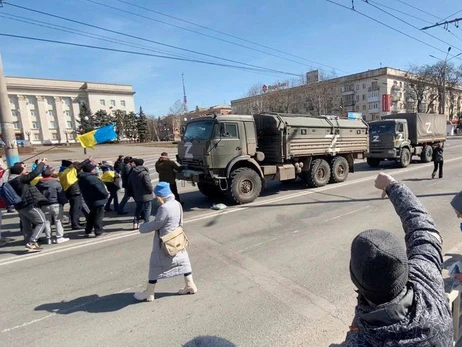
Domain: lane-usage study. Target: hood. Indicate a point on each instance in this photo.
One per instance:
(139, 169)
(456, 202)
(12, 176)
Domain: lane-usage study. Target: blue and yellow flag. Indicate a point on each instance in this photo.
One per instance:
(97, 136)
(67, 176)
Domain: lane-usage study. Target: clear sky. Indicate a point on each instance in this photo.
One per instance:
(314, 30)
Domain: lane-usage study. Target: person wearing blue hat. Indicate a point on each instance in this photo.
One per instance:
(162, 265)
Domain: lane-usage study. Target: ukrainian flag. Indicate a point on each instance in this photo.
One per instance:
(67, 176)
(98, 136)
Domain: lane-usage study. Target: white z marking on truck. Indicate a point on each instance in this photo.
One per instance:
(188, 146)
(400, 137)
(376, 138)
(429, 125)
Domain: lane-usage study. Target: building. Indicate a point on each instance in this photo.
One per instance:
(203, 111)
(46, 110)
(372, 93)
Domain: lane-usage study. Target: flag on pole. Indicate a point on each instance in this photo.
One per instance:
(97, 136)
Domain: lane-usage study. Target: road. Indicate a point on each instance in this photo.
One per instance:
(271, 273)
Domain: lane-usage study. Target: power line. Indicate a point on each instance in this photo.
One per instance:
(402, 12)
(418, 9)
(228, 35)
(457, 12)
(135, 53)
(196, 32)
(388, 26)
(442, 23)
(148, 40)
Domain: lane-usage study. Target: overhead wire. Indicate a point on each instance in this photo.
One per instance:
(227, 34)
(151, 41)
(418, 9)
(399, 11)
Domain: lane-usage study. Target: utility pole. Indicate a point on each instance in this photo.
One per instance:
(443, 23)
(185, 99)
(444, 80)
(6, 120)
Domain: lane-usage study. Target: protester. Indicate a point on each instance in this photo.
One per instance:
(125, 173)
(68, 178)
(53, 191)
(95, 195)
(118, 164)
(167, 172)
(456, 204)
(31, 216)
(162, 265)
(112, 181)
(438, 160)
(141, 186)
(401, 297)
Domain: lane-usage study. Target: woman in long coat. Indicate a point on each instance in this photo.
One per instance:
(169, 217)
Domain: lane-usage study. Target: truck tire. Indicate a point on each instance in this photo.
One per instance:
(427, 154)
(245, 185)
(209, 190)
(373, 162)
(319, 173)
(405, 158)
(339, 170)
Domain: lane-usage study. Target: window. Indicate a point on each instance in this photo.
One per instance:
(71, 136)
(67, 113)
(357, 87)
(200, 130)
(67, 101)
(112, 102)
(401, 84)
(364, 85)
(364, 107)
(364, 96)
(69, 125)
(16, 125)
(52, 125)
(357, 97)
(31, 100)
(102, 102)
(32, 113)
(228, 130)
(36, 137)
(51, 113)
(35, 125)
(49, 101)
(13, 113)
(122, 103)
(54, 136)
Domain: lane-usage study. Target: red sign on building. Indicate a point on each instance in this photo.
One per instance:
(386, 102)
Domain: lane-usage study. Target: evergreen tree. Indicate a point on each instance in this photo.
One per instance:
(119, 120)
(102, 118)
(142, 126)
(130, 126)
(85, 119)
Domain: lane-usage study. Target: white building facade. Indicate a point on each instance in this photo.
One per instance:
(46, 111)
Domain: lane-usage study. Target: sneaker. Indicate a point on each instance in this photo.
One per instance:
(33, 247)
(136, 226)
(49, 242)
(89, 236)
(102, 234)
(62, 239)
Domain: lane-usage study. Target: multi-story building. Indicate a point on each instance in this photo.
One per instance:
(46, 110)
(373, 93)
(203, 111)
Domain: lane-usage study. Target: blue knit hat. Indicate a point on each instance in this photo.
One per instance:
(162, 189)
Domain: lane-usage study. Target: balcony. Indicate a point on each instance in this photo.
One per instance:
(348, 92)
(371, 89)
(374, 110)
(373, 99)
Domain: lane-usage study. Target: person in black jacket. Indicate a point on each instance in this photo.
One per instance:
(31, 216)
(119, 164)
(95, 195)
(438, 160)
(125, 173)
(141, 185)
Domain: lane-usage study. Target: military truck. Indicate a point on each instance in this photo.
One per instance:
(235, 155)
(401, 136)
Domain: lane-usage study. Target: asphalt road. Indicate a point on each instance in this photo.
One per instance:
(271, 273)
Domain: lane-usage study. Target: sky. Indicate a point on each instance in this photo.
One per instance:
(292, 37)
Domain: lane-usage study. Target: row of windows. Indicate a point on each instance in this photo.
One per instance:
(374, 85)
(112, 103)
(51, 113)
(36, 125)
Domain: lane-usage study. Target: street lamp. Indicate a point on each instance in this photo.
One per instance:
(444, 80)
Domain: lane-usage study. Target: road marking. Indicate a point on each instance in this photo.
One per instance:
(17, 259)
(346, 214)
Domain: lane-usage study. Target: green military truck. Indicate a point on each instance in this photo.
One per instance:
(399, 137)
(234, 155)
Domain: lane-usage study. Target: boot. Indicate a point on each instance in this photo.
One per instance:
(190, 287)
(148, 294)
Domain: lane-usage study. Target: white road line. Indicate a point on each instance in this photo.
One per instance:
(346, 214)
(17, 259)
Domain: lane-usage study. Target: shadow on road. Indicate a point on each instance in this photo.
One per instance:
(417, 179)
(209, 341)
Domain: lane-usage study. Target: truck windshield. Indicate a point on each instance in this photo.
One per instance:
(201, 130)
(384, 128)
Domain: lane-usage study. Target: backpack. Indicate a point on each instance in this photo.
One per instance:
(9, 195)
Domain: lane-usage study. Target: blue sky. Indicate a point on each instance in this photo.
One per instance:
(312, 29)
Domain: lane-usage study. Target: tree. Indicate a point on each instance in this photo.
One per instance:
(85, 120)
(177, 108)
(102, 118)
(142, 126)
(119, 120)
(131, 131)
(153, 128)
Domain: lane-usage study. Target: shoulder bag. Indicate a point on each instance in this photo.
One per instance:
(175, 241)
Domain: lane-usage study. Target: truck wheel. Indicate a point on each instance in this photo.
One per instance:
(373, 162)
(245, 185)
(405, 158)
(339, 170)
(427, 154)
(210, 190)
(319, 173)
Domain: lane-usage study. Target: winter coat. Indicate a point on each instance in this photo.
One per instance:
(110, 178)
(140, 184)
(162, 265)
(125, 172)
(420, 316)
(438, 154)
(456, 202)
(166, 169)
(30, 195)
(52, 190)
(118, 165)
(93, 190)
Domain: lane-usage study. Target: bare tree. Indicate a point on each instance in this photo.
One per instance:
(323, 97)
(177, 108)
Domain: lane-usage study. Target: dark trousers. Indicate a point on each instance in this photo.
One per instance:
(123, 202)
(143, 211)
(95, 220)
(113, 196)
(76, 209)
(438, 164)
(174, 189)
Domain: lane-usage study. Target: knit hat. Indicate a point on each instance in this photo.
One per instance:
(66, 163)
(88, 167)
(378, 266)
(138, 162)
(456, 202)
(48, 172)
(162, 189)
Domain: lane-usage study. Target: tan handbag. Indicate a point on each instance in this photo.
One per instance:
(176, 241)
